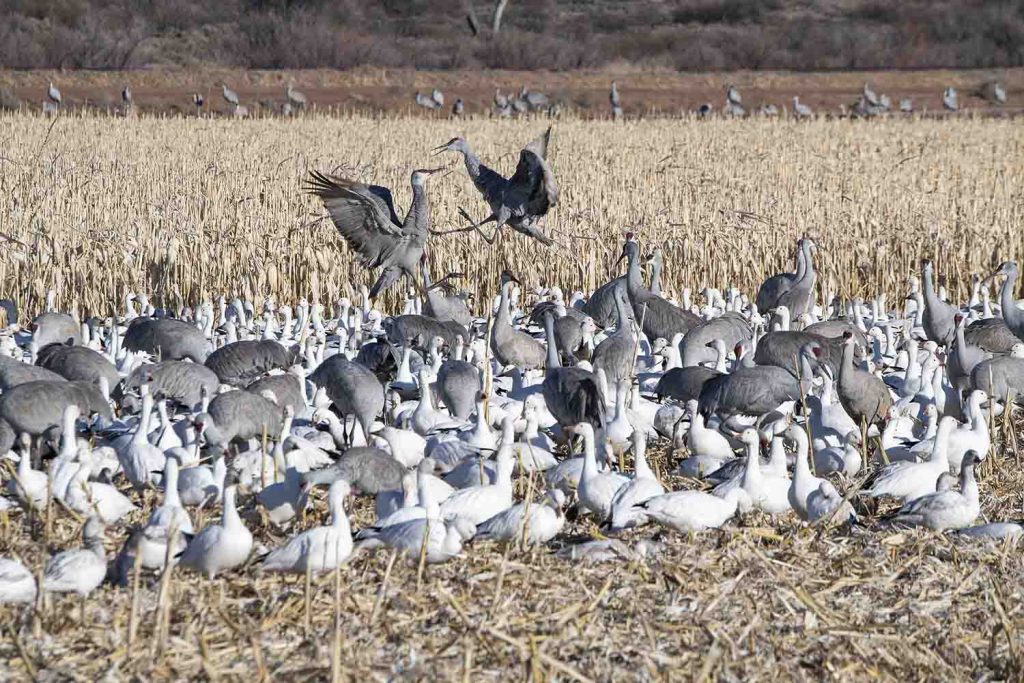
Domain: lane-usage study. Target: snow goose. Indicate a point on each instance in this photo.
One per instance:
(81, 570)
(1011, 530)
(31, 487)
(480, 437)
(406, 446)
(479, 503)
(287, 495)
(692, 511)
(708, 448)
(643, 485)
(619, 429)
(168, 521)
(319, 549)
(16, 582)
(910, 480)
(803, 483)
(93, 497)
(947, 509)
(596, 489)
(534, 448)
(822, 503)
(846, 458)
(220, 547)
(543, 521)
(202, 483)
(140, 459)
(479, 470)
(769, 493)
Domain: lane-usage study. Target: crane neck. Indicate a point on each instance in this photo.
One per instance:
(504, 315)
(472, 163)
(549, 333)
(418, 217)
(1013, 316)
(656, 277)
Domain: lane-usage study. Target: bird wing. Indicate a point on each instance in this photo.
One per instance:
(363, 214)
(539, 145)
(532, 187)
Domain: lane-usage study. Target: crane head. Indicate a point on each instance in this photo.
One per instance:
(456, 144)
(507, 276)
(420, 175)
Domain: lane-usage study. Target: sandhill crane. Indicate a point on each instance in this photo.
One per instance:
(238, 415)
(513, 347)
(869, 95)
(705, 110)
(572, 395)
(167, 339)
(295, 97)
(906, 105)
(78, 363)
(353, 389)
(660, 318)
(425, 101)
(775, 286)
(938, 321)
(126, 96)
(243, 362)
(949, 99)
(54, 94)
(768, 110)
(865, 398)
(534, 99)
(437, 96)
(733, 102)
(179, 381)
(197, 100)
(999, 93)
(365, 216)
(500, 100)
(519, 201)
(1012, 315)
(613, 98)
(992, 91)
(230, 96)
(801, 111)
(240, 111)
(458, 108)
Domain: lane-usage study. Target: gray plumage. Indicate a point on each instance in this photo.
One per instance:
(774, 287)
(1000, 377)
(458, 385)
(572, 395)
(991, 334)
(835, 329)
(1012, 315)
(10, 309)
(799, 297)
(659, 317)
(367, 469)
(78, 363)
(178, 381)
(166, 339)
(512, 347)
(695, 347)
(286, 388)
(938, 315)
(782, 349)
(864, 397)
(366, 218)
(685, 384)
(239, 415)
(14, 372)
(758, 389)
(443, 306)
(521, 200)
(421, 329)
(601, 304)
(616, 354)
(7, 436)
(963, 356)
(295, 97)
(353, 389)
(229, 95)
(243, 362)
(49, 328)
(34, 407)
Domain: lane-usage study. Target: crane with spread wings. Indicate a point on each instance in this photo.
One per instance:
(366, 218)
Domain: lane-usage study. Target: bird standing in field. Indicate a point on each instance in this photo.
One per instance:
(520, 201)
(365, 216)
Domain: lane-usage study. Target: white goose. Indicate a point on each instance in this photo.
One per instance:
(220, 547)
(81, 570)
(543, 521)
(92, 497)
(709, 449)
(319, 549)
(644, 485)
(846, 458)
(804, 483)
(947, 509)
(16, 582)
(479, 503)
(169, 516)
(140, 459)
(823, 501)
(769, 493)
(29, 486)
(200, 484)
(692, 511)
(596, 489)
(910, 480)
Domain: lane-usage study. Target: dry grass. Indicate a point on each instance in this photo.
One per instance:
(95, 207)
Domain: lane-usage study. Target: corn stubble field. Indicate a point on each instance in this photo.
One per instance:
(182, 209)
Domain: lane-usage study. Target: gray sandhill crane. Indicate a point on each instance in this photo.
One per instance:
(56, 327)
(126, 97)
(459, 108)
(286, 390)
(800, 110)
(500, 100)
(78, 363)
(242, 362)
(1012, 315)
(353, 389)
(616, 354)
(14, 372)
(198, 101)
(572, 395)
(441, 305)
(992, 91)
(230, 96)
(869, 95)
(514, 347)
(907, 105)
(54, 94)
(799, 298)
(865, 398)
(167, 339)
(775, 286)
(659, 317)
(238, 416)
(534, 99)
(733, 102)
(296, 98)
(369, 470)
(938, 321)
(613, 98)
(182, 382)
(366, 218)
(458, 384)
(782, 349)
(438, 97)
(519, 201)
(35, 407)
(426, 101)
(420, 329)
(949, 99)
(1002, 377)
(697, 345)
(705, 110)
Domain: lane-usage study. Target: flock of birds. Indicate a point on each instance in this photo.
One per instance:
(505, 105)
(496, 423)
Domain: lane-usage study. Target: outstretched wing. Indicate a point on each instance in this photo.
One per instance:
(490, 184)
(539, 146)
(531, 189)
(363, 214)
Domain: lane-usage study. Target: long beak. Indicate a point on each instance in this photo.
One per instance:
(621, 256)
(439, 149)
(432, 171)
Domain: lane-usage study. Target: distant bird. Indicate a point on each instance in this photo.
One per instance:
(534, 99)
(999, 93)
(906, 105)
(295, 97)
(365, 216)
(54, 94)
(500, 101)
(126, 96)
(613, 97)
(240, 111)
(426, 101)
(197, 99)
(705, 110)
(768, 110)
(732, 95)
(520, 201)
(229, 95)
(992, 91)
(458, 108)
(801, 111)
(437, 96)
(949, 100)
(870, 95)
